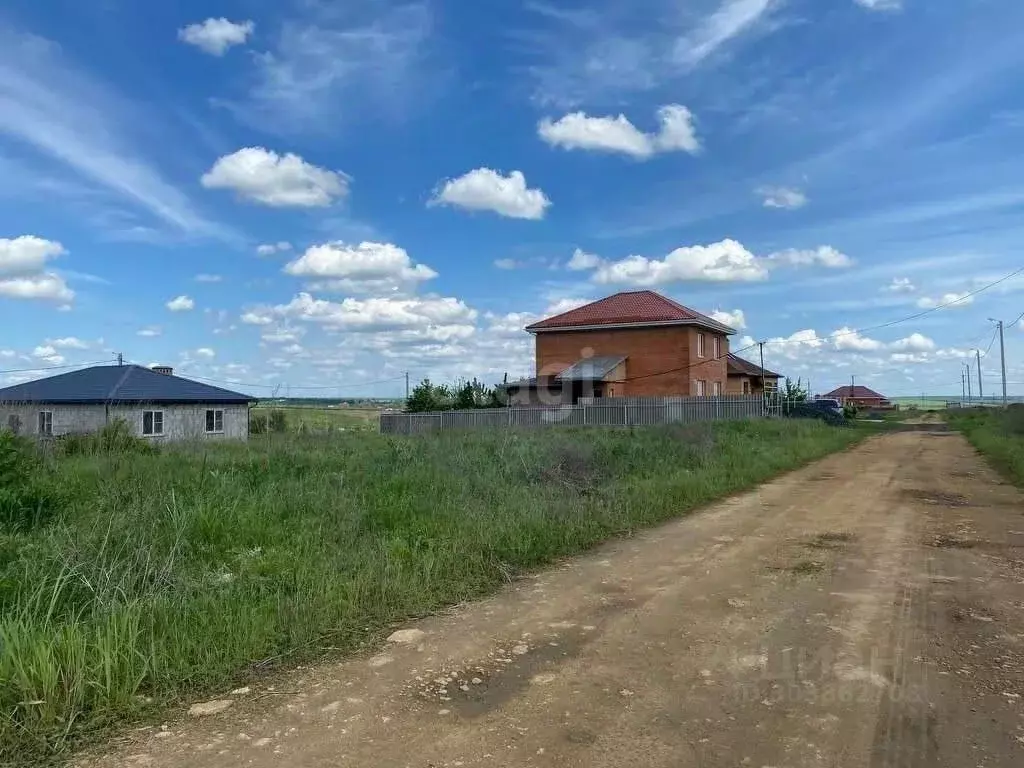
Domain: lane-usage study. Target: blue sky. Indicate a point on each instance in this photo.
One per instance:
(326, 195)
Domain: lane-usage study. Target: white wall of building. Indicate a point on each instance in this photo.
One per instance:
(180, 422)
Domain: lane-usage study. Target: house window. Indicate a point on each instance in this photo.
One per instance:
(718, 347)
(716, 386)
(215, 421)
(46, 422)
(700, 345)
(152, 422)
(746, 386)
(701, 387)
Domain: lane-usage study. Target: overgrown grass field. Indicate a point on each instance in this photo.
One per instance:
(997, 433)
(129, 580)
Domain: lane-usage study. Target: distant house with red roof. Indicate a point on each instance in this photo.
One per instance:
(637, 343)
(860, 396)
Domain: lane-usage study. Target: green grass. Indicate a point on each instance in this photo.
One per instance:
(998, 434)
(302, 418)
(174, 574)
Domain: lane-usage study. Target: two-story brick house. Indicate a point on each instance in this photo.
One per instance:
(638, 343)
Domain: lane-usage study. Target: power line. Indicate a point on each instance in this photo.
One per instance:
(54, 367)
(331, 387)
(838, 334)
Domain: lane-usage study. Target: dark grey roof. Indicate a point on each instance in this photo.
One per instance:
(591, 368)
(118, 384)
(738, 366)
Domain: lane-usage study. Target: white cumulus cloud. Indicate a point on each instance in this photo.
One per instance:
(48, 287)
(367, 266)
(849, 339)
(180, 304)
(269, 249)
(724, 261)
(880, 5)
(901, 285)
(68, 342)
(27, 254)
(486, 190)
(279, 181)
(915, 342)
(22, 263)
(782, 197)
(824, 256)
(206, 352)
(215, 36)
(257, 317)
(578, 130)
(734, 319)
(379, 313)
(149, 332)
(581, 261)
(947, 299)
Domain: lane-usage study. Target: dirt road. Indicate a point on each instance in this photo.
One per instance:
(865, 611)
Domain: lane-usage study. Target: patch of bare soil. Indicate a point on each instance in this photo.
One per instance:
(834, 617)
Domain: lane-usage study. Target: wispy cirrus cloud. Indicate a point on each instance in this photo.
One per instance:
(66, 116)
(332, 61)
(585, 53)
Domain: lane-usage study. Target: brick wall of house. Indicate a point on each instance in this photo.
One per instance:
(649, 351)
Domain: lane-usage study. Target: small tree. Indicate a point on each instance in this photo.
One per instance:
(794, 393)
(424, 398)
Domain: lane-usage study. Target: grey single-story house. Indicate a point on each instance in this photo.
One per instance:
(154, 402)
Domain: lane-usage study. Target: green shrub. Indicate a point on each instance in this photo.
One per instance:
(257, 423)
(28, 495)
(115, 437)
(850, 411)
(277, 421)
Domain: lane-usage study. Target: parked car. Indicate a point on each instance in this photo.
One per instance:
(828, 411)
(829, 404)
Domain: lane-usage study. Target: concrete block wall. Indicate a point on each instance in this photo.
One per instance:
(181, 422)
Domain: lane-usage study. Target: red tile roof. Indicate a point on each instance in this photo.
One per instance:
(631, 308)
(857, 393)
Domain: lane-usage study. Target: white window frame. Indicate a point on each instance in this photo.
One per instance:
(44, 423)
(215, 412)
(700, 345)
(701, 387)
(718, 347)
(716, 388)
(152, 423)
(746, 387)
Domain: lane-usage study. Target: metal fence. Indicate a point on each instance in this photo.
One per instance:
(609, 412)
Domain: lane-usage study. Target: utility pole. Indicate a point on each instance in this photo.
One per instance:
(1002, 359)
(120, 359)
(963, 385)
(981, 391)
(967, 375)
(407, 386)
(760, 344)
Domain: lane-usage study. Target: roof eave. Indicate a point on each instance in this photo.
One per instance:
(152, 401)
(709, 324)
